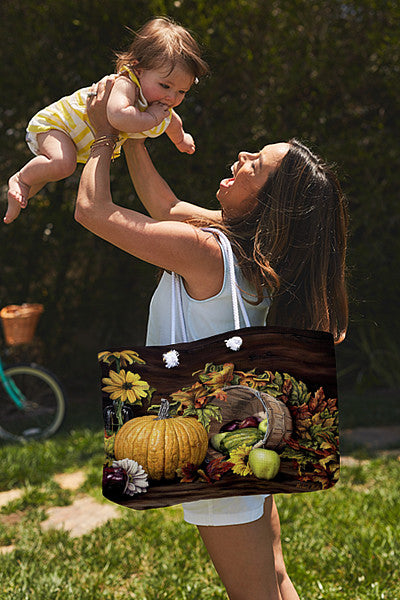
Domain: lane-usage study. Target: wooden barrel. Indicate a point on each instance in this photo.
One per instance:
(280, 425)
(243, 401)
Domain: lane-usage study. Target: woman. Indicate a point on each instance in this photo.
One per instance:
(285, 216)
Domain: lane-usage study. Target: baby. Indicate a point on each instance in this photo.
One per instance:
(153, 76)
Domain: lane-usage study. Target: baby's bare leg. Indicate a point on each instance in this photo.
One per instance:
(56, 160)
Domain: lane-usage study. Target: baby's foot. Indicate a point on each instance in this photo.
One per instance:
(18, 190)
(17, 197)
(13, 210)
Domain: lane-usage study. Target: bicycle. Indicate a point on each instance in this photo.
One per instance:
(32, 402)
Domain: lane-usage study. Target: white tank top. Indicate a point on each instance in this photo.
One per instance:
(202, 318)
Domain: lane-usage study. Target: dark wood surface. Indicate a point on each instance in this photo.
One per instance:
(164, 494)
(308, 356)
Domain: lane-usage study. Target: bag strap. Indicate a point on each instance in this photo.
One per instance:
(176, 301)
(237, 300)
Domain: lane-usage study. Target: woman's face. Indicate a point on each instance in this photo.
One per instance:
(237, 195)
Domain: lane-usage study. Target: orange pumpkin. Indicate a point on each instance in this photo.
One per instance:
(162, 444)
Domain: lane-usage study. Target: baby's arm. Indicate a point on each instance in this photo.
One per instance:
(182, 140)
(123, 114)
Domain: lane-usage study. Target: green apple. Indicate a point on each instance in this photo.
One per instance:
(264, 463)
(263, 425)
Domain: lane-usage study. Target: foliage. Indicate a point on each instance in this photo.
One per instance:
(326, 72)
(36, 462)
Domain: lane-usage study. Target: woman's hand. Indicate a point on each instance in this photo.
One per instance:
(96, 105)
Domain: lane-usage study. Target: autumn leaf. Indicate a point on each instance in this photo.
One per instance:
(248, 374)
(303, 424)
(203, 476)
(313, 404)
(181, 399)
(329, 422)
(247, 381)
(200, 401)
(327, 459)
(303, 409)
(188, 473)
(195, 395)
(287, 385)
(326, 476)
(218, 378)
(293, 443)
(217, 467)
(332, 404)
(304, 394)
(190, 411)
(319, 397)
(220, 395)
(204, 414)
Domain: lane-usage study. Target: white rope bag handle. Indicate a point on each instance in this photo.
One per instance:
(237, 300)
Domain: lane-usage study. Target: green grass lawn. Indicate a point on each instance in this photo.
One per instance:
(339, 544)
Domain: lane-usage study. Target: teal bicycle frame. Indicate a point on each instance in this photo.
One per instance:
(15, 394)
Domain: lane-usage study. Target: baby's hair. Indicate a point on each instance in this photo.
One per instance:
(163, 43)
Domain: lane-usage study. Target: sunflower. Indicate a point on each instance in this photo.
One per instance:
(122, 359)
(126, 387)
(239, 457)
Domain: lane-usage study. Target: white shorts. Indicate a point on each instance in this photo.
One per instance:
(225, 511)
(31, 140)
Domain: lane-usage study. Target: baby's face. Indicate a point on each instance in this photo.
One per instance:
(160, 86)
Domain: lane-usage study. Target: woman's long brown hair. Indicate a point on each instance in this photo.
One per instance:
(294, 244)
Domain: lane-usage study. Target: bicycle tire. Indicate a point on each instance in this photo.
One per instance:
(44, 409)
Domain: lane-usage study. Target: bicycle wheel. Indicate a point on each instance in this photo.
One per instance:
(43, 409)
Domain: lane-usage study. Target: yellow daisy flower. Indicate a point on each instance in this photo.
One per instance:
(126, 387)
(123, 358)
(239, 457)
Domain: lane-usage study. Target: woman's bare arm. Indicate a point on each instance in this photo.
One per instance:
(172, 245)
(155, 193)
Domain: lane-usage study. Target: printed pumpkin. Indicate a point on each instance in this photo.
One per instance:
(162, 444)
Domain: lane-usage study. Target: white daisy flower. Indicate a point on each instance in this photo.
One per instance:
(137, 476)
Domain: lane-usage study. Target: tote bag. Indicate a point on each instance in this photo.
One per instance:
(250, 411)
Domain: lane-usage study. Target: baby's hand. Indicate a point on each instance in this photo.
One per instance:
(158, 111)
(186, 144)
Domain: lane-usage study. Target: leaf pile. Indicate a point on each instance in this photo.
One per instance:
(313, 448)
(213, 471)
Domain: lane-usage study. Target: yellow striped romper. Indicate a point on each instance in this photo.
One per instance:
(69, 115)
